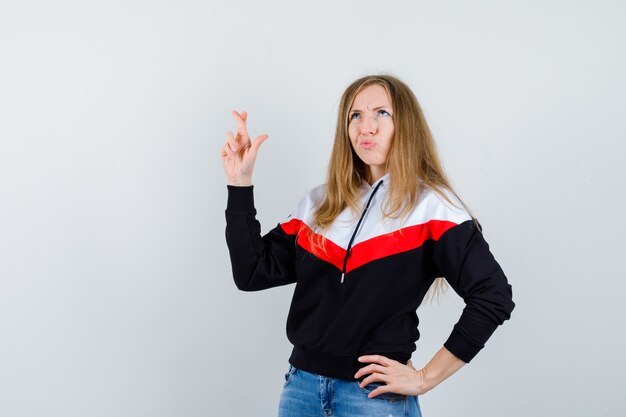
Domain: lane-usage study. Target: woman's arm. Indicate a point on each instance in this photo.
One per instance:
(462, 256)
(258, 262)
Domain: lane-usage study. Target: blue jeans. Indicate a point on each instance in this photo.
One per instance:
(306, 394)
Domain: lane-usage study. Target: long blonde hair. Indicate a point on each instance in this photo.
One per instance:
(412, 156)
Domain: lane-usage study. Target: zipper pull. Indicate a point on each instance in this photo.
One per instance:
(342, 274)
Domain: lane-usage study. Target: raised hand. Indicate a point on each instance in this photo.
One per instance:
(239, 153)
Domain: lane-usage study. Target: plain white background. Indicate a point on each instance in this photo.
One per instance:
(116, 295)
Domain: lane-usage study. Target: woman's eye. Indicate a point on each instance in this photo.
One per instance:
(380, 112)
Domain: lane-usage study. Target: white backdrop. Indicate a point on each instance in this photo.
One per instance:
(116, 295)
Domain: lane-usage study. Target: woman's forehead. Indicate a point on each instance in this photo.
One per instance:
(371, 97)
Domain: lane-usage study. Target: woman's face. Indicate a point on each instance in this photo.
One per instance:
(371, 129)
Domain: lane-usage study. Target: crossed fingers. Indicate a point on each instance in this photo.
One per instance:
(235, 143)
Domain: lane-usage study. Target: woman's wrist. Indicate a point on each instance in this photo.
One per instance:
(426, 380)
(441, 366)
(431, 377)
(240, 182)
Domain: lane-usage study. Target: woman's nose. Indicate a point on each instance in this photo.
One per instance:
(368, 125)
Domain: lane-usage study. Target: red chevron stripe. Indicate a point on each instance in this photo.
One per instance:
(334, 253)
(398, 241)
(378, 247)
(292, 226)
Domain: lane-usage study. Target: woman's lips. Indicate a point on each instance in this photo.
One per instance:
(367, 145)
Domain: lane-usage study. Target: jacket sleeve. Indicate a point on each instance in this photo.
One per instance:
(462, 256)
(258, 262)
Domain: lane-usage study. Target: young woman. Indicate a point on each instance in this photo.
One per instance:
(363, 249)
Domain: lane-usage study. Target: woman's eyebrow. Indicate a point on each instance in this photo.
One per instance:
(375, 108)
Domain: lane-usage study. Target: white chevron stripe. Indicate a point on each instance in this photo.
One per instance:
(431, 206)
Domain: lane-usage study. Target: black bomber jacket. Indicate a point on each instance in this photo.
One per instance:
(359, 296)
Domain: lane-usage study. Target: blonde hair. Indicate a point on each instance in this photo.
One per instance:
(412, 156)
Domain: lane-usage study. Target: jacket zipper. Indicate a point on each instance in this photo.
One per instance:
(345, 261)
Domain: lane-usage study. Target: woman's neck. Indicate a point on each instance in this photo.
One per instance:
(375, 174)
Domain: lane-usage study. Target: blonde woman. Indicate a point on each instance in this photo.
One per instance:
(363, 249)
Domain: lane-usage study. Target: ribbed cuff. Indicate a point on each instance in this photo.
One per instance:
(462, 346)
(240, 198)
